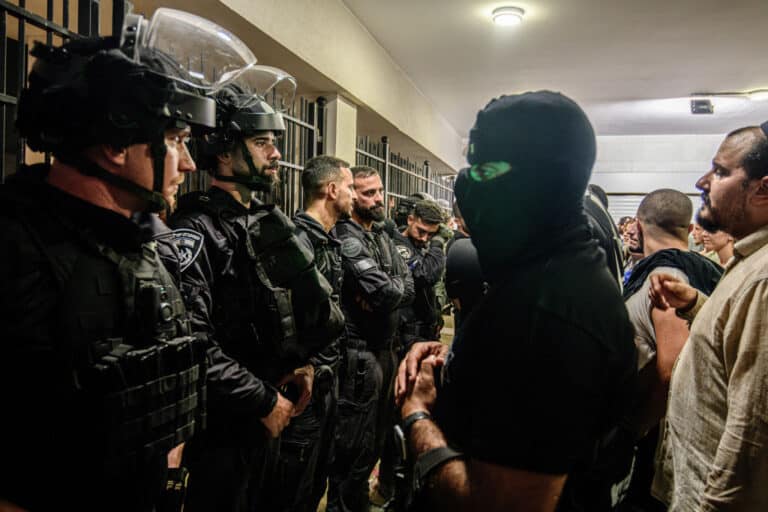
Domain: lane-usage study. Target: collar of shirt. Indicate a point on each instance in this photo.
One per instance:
(306, 221)
(748, 245)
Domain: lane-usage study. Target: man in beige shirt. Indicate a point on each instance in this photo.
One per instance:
(714, 454)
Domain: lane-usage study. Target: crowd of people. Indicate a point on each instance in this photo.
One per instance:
(214, 353)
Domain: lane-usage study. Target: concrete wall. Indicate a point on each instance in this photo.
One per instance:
(630, 166)
(327, 35)
(642, 163)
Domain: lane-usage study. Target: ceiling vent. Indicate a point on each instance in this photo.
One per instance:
(702, 107)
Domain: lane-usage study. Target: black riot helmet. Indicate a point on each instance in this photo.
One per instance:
(251, 105)
(405, 207)
(124, 91)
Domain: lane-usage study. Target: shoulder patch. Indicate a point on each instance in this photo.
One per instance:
(189, 243)
(351, 247)
(404, 251)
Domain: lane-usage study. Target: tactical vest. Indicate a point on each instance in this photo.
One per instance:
(327, 261)
(138, 375)
(255, 311)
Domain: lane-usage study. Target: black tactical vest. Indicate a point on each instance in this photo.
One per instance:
(120, 327)
(327, 257)
(253, 308)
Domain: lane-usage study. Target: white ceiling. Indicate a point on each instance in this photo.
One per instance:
(630, 64)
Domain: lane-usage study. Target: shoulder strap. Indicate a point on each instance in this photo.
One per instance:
(195, 202)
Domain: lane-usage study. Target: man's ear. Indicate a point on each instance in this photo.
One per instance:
(225, 158)
(760, 198)
(690, 228)
(115, 155)
(332, 190)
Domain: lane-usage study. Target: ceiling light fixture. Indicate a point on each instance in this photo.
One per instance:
(754, 94)
(508, 16)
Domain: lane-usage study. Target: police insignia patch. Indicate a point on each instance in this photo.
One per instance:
(404, 251)
(189, 243)
(351, 247)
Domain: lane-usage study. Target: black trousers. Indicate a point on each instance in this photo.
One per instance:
(364, 420)
(220, 474)
(297, 479)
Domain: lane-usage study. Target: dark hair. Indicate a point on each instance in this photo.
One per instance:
(755, 162)
(667, 209)
(363, 171)
(428, 211)
(318, 172)
(598, 192)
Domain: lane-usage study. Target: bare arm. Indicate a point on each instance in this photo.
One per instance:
(671, 334)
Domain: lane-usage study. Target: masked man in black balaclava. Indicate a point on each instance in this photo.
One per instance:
(538, 374)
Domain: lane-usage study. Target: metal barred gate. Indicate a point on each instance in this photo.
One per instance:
(401, 176)
(51, 21)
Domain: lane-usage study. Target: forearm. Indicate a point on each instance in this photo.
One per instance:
(446, 487)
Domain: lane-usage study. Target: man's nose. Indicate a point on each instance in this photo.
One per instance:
(186, 163)
(703, 182)
(275, 155)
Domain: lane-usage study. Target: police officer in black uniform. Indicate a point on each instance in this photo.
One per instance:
(269, 306)
(421, 244)
(376, 284)
(101, 374)
(306, 445)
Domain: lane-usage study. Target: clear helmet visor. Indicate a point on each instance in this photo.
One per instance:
(271, 85)
(209, 55)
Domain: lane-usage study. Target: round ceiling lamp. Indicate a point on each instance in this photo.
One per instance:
(508, 16)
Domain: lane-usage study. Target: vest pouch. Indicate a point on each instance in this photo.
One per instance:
(285, 260)
(273, 225)
(311, 287)
(284, 323)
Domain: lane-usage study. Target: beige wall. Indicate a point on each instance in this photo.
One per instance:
(325, 34)
(341, 128)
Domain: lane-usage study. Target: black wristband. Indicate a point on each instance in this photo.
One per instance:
(413, 418)
(429, 461)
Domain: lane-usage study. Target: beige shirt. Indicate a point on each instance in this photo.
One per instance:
(714, 455)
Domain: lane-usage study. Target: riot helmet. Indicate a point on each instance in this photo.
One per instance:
(254, 103)
(125, 90)
(405, 207)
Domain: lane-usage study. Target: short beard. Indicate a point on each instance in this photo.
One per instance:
(369, 214)
(710, 225)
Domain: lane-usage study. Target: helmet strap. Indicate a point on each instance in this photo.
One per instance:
(254, 181)
(155, 200)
